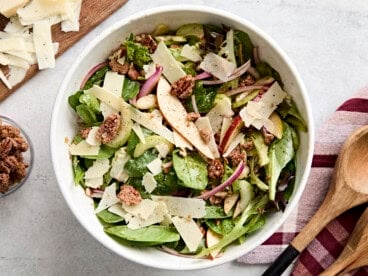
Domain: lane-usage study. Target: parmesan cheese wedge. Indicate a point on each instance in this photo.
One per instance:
(72, 24)
(107, 97)
(118, 210)
(157, 216)
(12, 44)
(176, 115)
(117, 165)
(189, 231)
(113, 82)
(108, 199)
(155, 166)
(221, 110)
(9, 7)
(16, 75)
(98, 169)
(149, 182)
(43, 44)
(203, 124)
(143, 209)
(94, 182)
(182, 206)
(217, 66)
(191, 53)
(83, 148)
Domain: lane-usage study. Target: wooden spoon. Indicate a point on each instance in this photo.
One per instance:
(355, 253)
(348, 188)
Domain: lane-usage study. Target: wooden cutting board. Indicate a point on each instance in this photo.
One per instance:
(93, 13)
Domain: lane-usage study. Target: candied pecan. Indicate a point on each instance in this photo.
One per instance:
(4, 182)
(20, 144)
(147, 41)
(248, 80)
(84, 132)
(118, 67)
(205, 135)
(133, 74)
(236, 156)
(11, 162)
(9, 131)
(4, 168)
(118, 53)
(6, 146)
(268, 137)
(109, 129)
(183, 88)
(129, 195)
(192, 116)
(215, 169)
(248, 144)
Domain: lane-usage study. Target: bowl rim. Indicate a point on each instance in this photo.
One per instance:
(214, 12)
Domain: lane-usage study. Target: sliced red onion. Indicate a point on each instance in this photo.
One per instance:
(94, 193)
(91, 72)
(239, 169)
(152, 81)
(235, 74)
(253, 71)
(203, 75)
(175, 253)
(194, 104)
(242, 89)
(256, 57)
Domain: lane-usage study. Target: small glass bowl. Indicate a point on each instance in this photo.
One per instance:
(28, 155)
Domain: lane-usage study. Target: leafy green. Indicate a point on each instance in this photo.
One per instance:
(281, 153)
(109, 217)
(254, 93)
(73, 100)
(228, 86)
(137, 167)
(264, 70)
(136, 182)
(192, 170)
(151, 234)
(137, 53)
(86, 114)
(90, 101)
(289, 112)
(130, 89)
(133, 141)
(190, 68)
(261, 148)
(254, 179)
(213, 37)
(104, 152)
(222, 227)
(243, 46)
(204, 97)
(167, 183)
(97, 78)
(216, 212)
(78, 171)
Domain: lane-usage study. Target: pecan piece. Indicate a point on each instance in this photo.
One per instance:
(129, 195)
(215, 169)
(4, 182)
(118, 53)
(268, 137)
(147, 41)
(118, 67)
(84, 132)
(248, 80)
(6, 146)
(236, 156)
(19, 145)
(109, 129)
(9, 131)
(183, 88)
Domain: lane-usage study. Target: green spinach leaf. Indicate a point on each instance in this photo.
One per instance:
(264, 69)
(78, 171)
(204, 97)
(130, 89)
(243, 46)
(137, 167)
(191, 170)
(166, 183)
(216, 212)
(109, 217)
(73, 100)
(86, 114)
(97, 78)
(90, 101)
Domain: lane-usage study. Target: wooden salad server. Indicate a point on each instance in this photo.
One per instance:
(349, 188)
(355, 253)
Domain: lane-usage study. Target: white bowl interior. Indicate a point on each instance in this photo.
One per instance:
(63, 125)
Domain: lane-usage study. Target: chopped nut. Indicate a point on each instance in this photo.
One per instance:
(215, 169)
(183, 88)
(147, 41)
(133, 74)
(129, 195)
(4, 182)
(4, 168)
(119, 68)
(268, 137)
(6, 146)
(192, 116)
(109, 129)
(84, 132)
(19, 145)
(9, 131)
(236, 156)
(248, 80)
(118, 53)
(205, 135)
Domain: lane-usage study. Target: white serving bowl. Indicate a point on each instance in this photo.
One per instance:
(64, 125)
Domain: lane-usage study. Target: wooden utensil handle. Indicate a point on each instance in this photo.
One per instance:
(282, 262)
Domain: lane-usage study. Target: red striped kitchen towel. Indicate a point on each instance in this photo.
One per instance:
(330, 242)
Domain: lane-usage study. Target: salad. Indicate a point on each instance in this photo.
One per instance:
(186, 140)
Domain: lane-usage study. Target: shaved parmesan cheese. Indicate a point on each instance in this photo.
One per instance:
(94, 182)
(237, 140)
(91, 138)
(16, 75)
(149, 70)
(117, 165)
(9, 7)
(183, 207)
(23, 55)
(107, 110)
(180, 141)
(107, 97)
(43, 44)
(72, 24)
(98, 169)
(55, 47)
(191, 53)
(138, 130)
(118, 210)
(172, 70)
(114, 83)
(6, 59)
(143, 209)
(83, 148)
(203, 125)
(189, 231)
(149, 182)
(257, 113)
(157, 216)
(12, 44)
(227, 49)
(221, 110)
(121, 60)
(217, 66)
(145, 119)
(13, 25)
(162, 149)
(5, 80)
(155, 166)
(108, 198)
